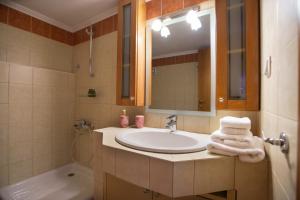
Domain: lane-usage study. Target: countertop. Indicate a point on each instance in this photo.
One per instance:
(108, 140)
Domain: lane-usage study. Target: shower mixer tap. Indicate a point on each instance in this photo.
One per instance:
(83, 124)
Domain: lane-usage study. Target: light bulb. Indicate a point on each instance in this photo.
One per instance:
(165, 32)
(196, 24)
(191, 16)
(156, 25)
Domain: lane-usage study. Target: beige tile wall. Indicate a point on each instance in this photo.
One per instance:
(36, 104)
(102, 110)
(175, 87)
(279, 105)
(22, 47)
(35, 120)
(200, 124)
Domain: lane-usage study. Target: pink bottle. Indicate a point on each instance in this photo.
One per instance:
(139, 121)
(124, 120)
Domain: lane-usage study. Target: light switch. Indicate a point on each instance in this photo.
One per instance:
(268, 67)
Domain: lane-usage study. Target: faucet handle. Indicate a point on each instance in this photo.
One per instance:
(171, 122)
(172, 117)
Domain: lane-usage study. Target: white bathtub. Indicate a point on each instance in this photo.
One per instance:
(53, 185)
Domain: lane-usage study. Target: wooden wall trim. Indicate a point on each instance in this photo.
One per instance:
(100, 28)
(154, 8)
(157, 8)
(31, 24)
(175, 60)
(28, 23)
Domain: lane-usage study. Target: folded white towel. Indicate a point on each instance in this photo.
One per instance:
(241, 141)
(235, 131)
(235, 122)
(255, 154)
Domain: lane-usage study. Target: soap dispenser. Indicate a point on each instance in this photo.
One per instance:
(124, 119)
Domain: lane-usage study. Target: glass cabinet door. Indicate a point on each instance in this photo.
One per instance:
(238, 54)
(236, 50)
(126, 61)
(131, 53)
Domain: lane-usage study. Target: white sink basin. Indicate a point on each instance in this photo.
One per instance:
(163, 142)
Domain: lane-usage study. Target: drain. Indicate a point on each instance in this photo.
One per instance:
(71, 174)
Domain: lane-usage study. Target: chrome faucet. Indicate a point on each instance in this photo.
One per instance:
(83, 124)
(172, 123)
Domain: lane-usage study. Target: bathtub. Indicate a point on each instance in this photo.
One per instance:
(70, 182)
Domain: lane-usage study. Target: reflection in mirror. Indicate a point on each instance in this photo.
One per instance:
(181, 63)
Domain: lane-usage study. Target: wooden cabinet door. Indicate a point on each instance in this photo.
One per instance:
(238, 64)
(131, 53)
(117, 189)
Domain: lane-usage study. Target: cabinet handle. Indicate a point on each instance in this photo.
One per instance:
(221, 99)
(132, 98)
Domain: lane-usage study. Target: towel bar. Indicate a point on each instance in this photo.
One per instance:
(283, 142)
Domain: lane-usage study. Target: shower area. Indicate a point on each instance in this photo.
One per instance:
(40, 149)
(46, 87)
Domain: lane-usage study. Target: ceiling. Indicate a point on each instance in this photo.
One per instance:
(182, 39)
(72, 14)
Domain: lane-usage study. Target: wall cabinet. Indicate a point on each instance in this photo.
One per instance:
(131, 53)
(238, 54)
(238, 60)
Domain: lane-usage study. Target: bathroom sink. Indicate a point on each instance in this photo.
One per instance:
(163, 142)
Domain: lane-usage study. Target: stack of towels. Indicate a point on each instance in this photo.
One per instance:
(234, 138)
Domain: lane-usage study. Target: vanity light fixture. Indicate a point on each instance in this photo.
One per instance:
(166, 20)
(196, 25)
(193, 20)
(159, 25)
(156, 25)
(165, 32)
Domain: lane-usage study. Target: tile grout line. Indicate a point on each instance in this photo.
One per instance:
(32, 110)
(8, 126)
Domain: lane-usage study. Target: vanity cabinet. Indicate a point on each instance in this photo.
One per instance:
(238, 54)
(131, 53)
(119, 189)
(137, 175)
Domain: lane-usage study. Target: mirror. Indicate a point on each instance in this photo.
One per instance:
(182, 64)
